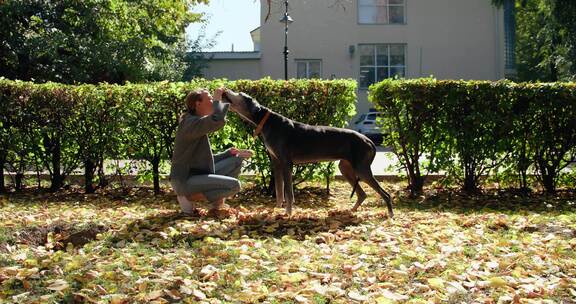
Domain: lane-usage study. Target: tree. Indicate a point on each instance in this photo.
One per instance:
(546, 39)
(92, 41)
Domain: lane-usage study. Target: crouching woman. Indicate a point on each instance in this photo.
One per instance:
(195, 173)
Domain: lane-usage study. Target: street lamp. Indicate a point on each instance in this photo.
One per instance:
(286, 20)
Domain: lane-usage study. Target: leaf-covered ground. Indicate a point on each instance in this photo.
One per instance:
(137, 248)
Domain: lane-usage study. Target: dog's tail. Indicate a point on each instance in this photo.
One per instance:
(355, 185)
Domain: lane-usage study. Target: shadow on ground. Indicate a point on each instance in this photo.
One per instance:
(504, 201)
(236, 224)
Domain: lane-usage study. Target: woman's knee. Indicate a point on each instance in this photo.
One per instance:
(234, 185)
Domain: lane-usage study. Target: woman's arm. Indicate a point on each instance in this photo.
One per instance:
(193, 126)
(220, 156)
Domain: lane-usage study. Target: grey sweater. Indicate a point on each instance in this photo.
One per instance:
(192, 152)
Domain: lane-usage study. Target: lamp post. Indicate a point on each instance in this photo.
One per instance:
(286, 20)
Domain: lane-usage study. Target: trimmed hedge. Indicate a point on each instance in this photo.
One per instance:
(61, 127)
(472, 128)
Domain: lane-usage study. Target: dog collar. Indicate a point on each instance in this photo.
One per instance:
(261, 124)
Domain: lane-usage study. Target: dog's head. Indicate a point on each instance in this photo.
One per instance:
(242, 104)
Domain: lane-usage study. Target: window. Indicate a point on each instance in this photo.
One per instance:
(308, 68)
(381, 61)
(381, 12)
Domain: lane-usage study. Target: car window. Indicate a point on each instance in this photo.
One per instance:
(371, 117)
(360, 119)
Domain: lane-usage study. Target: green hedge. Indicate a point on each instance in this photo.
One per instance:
(63, 127)
(472, 128)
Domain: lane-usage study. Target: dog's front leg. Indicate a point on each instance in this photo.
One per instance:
(279, 182)
(289, 188)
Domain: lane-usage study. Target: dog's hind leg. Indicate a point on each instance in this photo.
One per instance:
(365, 174)
(349, 174)
(289, 188)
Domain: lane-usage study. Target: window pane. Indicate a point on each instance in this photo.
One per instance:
(314, 69)
(382, 14)
(396, 14)
(366, 77)
(366, 54)
(397, 72)
(396, 55)
(301, 70)
(373, 14)
(366, 14)
(382, 55)
(375, 2)
(382, 73)
(396, 1)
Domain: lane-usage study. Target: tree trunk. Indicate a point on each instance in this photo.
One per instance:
(18, 181)
(327, 183)
(38, 180)
(88, 176)
(470, 186)
(156, 174)
(548, 180)
(2, 184)
(416, 184)
(56, 180)
(102, 182)
(416, 181)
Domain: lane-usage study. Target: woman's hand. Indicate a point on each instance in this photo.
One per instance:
(241, 153)
(218, 93)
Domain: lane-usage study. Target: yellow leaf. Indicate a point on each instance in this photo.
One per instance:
(436, 283)
(293, 277)
(118, 299)
(271, 228)
(383, 300)
(58, 285)
(154, 295)
(497, 282)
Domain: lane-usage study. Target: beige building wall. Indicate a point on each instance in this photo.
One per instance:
(449, 39)
(233, 69)
(233, 65)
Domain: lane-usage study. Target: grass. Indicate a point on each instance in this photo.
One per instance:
(134, 247)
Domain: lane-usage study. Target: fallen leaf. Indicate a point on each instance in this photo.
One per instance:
(497, 282)
(436, 283)
(58, 285)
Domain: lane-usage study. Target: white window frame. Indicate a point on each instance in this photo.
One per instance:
(308, 61)
(376, 66)
(387, 5)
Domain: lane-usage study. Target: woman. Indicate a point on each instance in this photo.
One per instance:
(195, 173)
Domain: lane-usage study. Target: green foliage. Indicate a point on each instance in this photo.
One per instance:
(472, 128)
(93, 41)
(411, 116)
(66, 126)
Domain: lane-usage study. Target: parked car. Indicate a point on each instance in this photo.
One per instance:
(366, 125)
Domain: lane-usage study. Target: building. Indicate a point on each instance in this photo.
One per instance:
(369, 40)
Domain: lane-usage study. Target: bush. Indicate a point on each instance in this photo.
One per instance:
(472, 128)
(60, 127)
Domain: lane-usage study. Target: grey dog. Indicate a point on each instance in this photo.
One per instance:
(290, 143)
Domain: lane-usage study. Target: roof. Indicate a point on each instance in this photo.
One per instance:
(231, 55)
